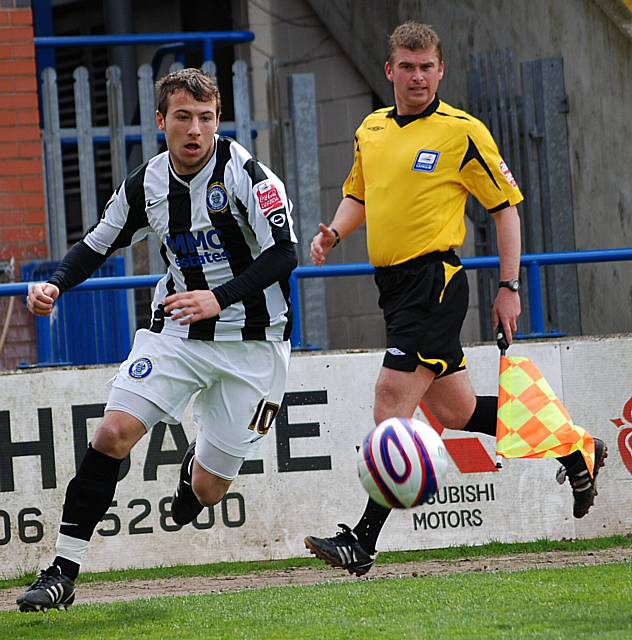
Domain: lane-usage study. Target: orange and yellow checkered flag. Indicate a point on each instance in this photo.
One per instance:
(532, 422)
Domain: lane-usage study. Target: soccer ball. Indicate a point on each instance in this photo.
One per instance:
(401, 463)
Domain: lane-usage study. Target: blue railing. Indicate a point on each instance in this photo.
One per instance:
(531, 262)
(206, 38)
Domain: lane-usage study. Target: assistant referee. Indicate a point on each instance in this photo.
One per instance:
(414, 166)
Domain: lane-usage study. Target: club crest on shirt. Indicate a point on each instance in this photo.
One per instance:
(140, 368)
(505, 169)
(269, 198)
(426, 160)
(216, 198)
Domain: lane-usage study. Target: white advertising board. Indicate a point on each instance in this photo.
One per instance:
(304, 479)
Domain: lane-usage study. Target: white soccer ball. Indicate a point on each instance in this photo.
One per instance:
(402, 462)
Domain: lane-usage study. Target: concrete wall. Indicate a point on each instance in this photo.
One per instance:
(597, 53)
(303, 479)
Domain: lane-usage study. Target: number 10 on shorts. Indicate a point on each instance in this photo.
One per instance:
(264, 417)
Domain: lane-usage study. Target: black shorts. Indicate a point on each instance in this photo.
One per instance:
(424, 302)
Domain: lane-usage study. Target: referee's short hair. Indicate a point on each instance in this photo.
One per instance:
(200, 85)
(413, 35)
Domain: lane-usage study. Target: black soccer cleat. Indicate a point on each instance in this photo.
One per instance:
(51, 590)
(343, 551)
(185, 506)
(584, 487)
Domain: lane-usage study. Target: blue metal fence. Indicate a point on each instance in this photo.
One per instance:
(88, 326)
(207, 39)
(531, 262)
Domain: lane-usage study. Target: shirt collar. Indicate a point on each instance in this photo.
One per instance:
(206, 169)
(402, 121)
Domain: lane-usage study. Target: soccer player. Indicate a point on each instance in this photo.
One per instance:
(221, 317)
(414, 165)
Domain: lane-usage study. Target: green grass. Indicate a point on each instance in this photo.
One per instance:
(573, 603)
(239, 568)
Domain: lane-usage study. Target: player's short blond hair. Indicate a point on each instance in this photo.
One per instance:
(194, 81)
(413, 36)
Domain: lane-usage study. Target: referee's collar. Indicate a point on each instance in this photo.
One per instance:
(402, 121)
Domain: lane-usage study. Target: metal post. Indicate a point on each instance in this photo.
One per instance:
(209, 68)
(148, 129)
(119, 163)
(562, 284)
(147, 109)
(550, 225)
(207, 49)
(116, 125)
(241, 98)
(302, 108)
(85, 148)
(54, 173)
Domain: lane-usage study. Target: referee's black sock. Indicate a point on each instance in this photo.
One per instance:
(483, 419)
(572, 461)
(368, 528)
(88, 497)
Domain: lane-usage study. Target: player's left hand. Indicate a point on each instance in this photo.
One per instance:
(192, 306)
(506, 311)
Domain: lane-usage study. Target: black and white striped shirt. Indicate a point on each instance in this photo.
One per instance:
(212, 228)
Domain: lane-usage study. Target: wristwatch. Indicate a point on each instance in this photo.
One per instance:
(512, 285)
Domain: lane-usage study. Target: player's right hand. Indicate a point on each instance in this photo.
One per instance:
(41, 298)
(322, 244)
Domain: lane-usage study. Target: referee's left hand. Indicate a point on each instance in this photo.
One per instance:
(506, 310)
(192, 306)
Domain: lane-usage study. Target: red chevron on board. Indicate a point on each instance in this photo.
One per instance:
(468, 454)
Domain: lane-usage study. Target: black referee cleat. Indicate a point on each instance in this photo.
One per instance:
(584, 487)
(51, 590)
(343, 551)
(185, 506)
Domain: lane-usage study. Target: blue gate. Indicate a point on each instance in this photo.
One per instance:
(87, 327)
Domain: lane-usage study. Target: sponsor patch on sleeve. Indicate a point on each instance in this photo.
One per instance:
(269, 198)
(505, 169)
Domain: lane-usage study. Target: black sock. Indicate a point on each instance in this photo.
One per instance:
(368, 528)
(574, 460)
(89, 494)
(69, 568)
(483, 420)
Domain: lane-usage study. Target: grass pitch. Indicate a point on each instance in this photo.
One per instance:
(570, 603)
(574, 603)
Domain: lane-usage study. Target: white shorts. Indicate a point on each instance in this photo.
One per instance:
(240, 385)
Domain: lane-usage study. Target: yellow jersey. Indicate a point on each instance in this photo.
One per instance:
(413, 174)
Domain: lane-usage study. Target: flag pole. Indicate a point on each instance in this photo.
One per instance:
(503, 345)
